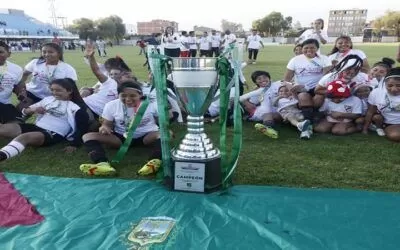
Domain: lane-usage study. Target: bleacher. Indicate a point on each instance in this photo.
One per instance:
(16, 24)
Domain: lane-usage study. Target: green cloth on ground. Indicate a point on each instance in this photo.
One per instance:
(98, 214)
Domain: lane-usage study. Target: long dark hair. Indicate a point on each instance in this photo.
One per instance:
(356, 64)
(386, 62)
(70, 85)
(54, 46)
(335, 49)
(117, 63)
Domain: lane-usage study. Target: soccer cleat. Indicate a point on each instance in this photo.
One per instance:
(305, 135)
(311, 129)
(150, 167)
(268, 131)
(380, 132)
(303, 126)
(101, 168)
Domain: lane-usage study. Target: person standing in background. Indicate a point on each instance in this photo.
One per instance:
(215, 43)
(253, 44)
(101, 47)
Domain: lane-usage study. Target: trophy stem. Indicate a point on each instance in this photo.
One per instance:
(195, 124)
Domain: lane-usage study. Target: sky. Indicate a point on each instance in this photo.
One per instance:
(207, 13)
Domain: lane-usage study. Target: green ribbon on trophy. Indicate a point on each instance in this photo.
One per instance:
(159, 64)
(224, 67)
(131, 130)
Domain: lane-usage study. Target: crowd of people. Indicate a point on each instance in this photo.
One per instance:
(339, 93)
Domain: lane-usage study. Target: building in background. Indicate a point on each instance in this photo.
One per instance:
(154, 26)
(346, 22)
(130, 29)
(199, 30)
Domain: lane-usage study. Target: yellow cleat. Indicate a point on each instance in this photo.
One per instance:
(150, 167)
(101, 168)
(268, 131)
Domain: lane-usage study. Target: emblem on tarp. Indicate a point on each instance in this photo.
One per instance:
(151, 230)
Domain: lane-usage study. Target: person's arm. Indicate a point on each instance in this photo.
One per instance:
(89, 54)
(321, 37)
(288, 75)
(372, 109)
(106, 127)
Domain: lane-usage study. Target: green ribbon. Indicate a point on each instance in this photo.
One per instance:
(131, 130)
(228, 164)
(159, 66)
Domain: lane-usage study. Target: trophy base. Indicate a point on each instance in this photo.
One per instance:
(199, 176)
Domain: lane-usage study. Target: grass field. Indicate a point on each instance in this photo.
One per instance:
(357, 161)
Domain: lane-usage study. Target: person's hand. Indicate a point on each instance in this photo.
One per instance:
(336, 115)
(40, 110)
(297, 89)
(69, 149)
(90, 49)
(105, 130)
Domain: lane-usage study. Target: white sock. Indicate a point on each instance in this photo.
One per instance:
(12, 149)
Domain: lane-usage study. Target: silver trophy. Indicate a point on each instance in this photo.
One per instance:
(197, 161)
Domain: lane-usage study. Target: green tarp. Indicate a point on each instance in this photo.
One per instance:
(98, 214)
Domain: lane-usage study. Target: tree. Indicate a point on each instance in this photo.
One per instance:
(84, 27)
(233, 27)
(111, 27)
(273, 24)
(297, 26)
(389, 21)
(106, 28)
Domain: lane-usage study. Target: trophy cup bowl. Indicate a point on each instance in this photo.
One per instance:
(197, 161)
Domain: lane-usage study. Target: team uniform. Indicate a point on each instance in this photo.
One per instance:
(262, 98)
(352, 105)
(43, 75)
(308, 72)
(388, 106)
(106, 92)
(10, 76)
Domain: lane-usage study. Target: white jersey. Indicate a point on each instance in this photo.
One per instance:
(352, 105)
(184, 43)
(121, 116)
(10, 76)
(308, 72)
(43, 74)
(312, 34)
(151, 93)
(213, 110)
(106, 93)
(228, 39)
(205, 43)
(387, 105)
(286, 102)
(192, 40)
(330, 77)
(171, 41)
(215, 41)
(254, 42)
(339, 56)
(59, 116)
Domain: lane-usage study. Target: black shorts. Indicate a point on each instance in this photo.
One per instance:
(50, 137)
(34, 98)
(135, 142)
